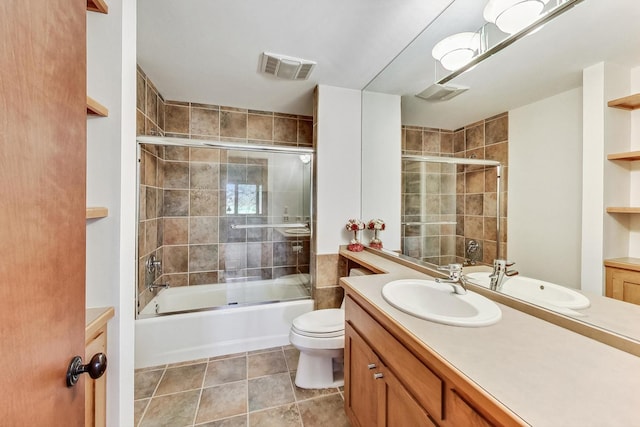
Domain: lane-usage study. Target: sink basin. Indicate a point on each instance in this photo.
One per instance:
(536, 291)
(437, 302)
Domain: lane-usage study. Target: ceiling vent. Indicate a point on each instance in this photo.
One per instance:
(437, 92)
(286, 67)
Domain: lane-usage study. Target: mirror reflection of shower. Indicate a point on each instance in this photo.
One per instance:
(446, 217)
(234, 217)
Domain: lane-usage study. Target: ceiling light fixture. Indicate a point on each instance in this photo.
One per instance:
(511, 16)
(457, 50)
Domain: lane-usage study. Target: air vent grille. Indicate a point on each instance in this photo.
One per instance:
(286, 67)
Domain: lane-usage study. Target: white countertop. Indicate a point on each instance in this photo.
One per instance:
(547, 375)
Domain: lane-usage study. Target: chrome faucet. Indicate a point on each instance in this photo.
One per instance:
(455, 278)
(154, 286)
(500, 269)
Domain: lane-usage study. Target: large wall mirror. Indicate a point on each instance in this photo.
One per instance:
(525, 106)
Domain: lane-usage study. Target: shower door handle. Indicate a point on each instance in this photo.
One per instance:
(95, 368)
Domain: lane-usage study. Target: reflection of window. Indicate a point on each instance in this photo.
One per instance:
(244, 199)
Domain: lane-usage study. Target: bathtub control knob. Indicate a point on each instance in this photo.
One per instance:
(95, 368)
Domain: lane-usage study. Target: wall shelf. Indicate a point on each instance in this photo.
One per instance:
(94, 108)
(623, 210)
(97, 6)
(97, 212)
(629, 155)
(630, 102)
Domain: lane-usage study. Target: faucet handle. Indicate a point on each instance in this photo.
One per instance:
(455, 270)
(502, 263)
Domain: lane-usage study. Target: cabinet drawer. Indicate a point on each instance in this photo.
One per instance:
(423, 383)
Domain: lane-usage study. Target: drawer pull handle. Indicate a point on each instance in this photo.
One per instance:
(377, 375)
(371, 366)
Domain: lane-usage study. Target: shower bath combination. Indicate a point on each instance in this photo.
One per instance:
(228, 227)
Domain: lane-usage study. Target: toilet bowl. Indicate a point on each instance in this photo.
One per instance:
(319, 336)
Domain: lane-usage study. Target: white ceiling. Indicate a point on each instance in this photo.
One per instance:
(208, 51)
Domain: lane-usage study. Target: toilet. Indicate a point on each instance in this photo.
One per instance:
(319, 335)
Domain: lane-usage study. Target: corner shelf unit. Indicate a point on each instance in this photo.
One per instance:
(629, 103)
(94, 108)
(96, 212)
(97, 6)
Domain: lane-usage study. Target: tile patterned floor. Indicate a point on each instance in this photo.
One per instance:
(239, 390)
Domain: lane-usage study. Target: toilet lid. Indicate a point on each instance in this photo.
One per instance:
(323, 322)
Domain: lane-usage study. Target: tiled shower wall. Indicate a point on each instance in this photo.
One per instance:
(469, 191)
(182, 211)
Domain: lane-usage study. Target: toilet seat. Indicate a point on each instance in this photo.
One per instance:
(327, 323)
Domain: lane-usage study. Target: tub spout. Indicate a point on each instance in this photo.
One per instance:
(159, 286)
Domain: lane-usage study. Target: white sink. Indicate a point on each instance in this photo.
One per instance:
(437, 302)
(548, 294)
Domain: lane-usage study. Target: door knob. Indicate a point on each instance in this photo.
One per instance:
(95, 368)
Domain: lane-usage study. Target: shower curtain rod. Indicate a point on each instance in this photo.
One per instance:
(451, 160)
(166, 140)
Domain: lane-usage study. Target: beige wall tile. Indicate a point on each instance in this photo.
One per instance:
(233, 124)
(205, 122)
(260, 127)
(285, 129)
(327, 270)
(176, 118)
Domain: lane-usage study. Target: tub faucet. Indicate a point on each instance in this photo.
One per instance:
(500, 269)
(153, 287)
(455, 278)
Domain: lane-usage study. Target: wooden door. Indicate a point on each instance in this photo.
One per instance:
(362, 389)
(42, 209)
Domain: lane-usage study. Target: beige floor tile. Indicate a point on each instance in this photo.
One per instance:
(222, 401)
(182, 378)
(323, 411)
(224, 371)
(171, 410)
(239, 421)
(266, 364)
(145, 383)
(292, 355)
(138, 409)
(281, 416)
(270, 391)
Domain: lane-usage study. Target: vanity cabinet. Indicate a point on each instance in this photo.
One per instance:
(375, 397)
(623, 279)
(389, 382)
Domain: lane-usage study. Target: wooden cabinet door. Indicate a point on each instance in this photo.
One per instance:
(400, 408)
(623, 285)
(361, 388)
(42, 199)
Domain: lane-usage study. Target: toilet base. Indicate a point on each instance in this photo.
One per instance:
(322, 371)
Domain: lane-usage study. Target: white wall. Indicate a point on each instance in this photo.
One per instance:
(545, 188)
(634, 237)
(111, 161)
(606, 130)
(338, 165)
(382, 164)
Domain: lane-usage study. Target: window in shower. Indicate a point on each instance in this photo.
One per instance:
(244, 199)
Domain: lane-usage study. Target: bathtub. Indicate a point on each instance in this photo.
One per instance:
(213, 320)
